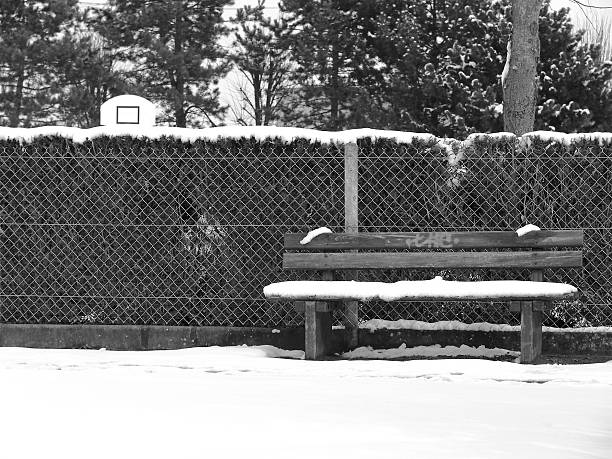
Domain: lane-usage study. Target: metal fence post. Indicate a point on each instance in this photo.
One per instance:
(351, 225)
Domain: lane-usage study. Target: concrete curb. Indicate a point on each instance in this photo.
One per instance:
(147, 337)
(142, 337)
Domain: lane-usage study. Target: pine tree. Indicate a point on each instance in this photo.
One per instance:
(29, 31)
(436, 66)
(449, 81)
(325, 46)
(174, 52)
(264, 65)
(575, 82)
(88, 76)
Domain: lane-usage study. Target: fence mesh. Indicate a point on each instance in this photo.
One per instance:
(136, 231)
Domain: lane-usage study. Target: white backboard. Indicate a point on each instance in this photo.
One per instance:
(127, 110)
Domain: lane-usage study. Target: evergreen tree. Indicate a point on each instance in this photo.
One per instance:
(436, 65)
(441, 69)
(174, 52)
(449, 81)
(575, 82)
(325, 46)
(88, 77)
(264, 65)
(29, 31)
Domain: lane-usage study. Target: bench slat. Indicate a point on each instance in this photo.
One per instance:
(543, 302)
(532, 260)
(439, 240)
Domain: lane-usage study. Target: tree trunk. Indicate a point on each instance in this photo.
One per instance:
(179, 110)
(271, 87)
(335, 90)
(179, 98)
(18, 99)
(433, 55)
(520, 79)
(257, 93)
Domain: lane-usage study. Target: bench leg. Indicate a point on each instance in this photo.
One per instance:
(531, 332)
(351, 323)
(317, 331)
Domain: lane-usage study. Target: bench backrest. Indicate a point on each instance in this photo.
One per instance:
(325, 251)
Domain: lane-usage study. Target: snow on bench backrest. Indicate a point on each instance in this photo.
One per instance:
(437, 240)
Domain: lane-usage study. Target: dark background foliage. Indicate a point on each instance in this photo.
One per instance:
(427, 66)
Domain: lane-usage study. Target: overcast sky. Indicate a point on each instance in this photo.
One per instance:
(579, 13)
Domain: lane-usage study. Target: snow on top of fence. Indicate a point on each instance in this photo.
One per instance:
(497, 136)
(547, 136)
(189, 135)
(288, 134)
(567, 139)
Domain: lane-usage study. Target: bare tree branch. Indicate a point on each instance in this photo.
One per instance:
(594, 7)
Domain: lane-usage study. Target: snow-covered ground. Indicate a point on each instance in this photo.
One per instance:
(249, 402)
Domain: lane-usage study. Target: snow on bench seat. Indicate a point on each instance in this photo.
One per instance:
(426, 290)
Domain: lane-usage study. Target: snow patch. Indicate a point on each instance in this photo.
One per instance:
(287, 134)
(527, 229)
(427, 351)
(602, 138)
(495, 136)
(275, 352)
(421, 408)
(403, 324)
(314, 233)
(498, 109)
(436, 288)
(453, 150)
(379, 324)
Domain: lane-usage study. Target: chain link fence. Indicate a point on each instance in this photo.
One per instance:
(493, 185)
(120, 230)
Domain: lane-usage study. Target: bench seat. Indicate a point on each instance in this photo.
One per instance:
(435, 289)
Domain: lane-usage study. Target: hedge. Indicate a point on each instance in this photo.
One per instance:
(161, 231)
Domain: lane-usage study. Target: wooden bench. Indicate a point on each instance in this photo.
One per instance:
(439, 250)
